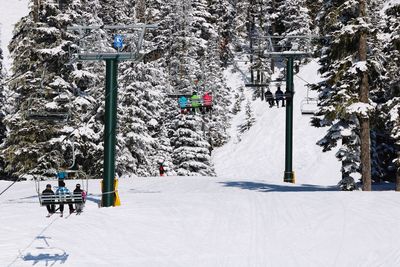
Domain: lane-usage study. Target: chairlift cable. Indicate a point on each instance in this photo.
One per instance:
(17, 180)
(13, 78)
(303, 79)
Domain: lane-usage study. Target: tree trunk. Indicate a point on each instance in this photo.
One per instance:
(364, 121)
(36, 9)
(251, 32)
(273, 30)
(398, 179)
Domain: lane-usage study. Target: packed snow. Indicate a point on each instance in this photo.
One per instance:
(205, 221)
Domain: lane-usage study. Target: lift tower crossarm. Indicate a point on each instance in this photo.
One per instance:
(112, 27)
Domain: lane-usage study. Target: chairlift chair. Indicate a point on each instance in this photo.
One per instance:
(71, 198)
(64, 175)
(308, 106)
(47, 114)
(51, 110)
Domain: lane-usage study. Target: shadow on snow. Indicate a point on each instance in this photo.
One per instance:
(264, 187)
(93, 199)
(49, 259)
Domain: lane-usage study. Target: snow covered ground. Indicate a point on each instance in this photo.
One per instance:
(204, 221)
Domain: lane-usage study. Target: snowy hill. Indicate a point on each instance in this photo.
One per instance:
(260, 153)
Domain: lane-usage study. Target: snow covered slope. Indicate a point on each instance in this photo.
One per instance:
(204, 222)
(261, 152)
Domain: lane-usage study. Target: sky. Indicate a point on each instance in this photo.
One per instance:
(12, 11)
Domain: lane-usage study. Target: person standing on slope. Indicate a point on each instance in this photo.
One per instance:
(161, 168)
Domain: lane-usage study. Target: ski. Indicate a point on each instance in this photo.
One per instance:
(66, 217)
(51, 214)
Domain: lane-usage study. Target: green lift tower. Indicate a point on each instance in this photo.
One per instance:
(89, 47)
(289, 48)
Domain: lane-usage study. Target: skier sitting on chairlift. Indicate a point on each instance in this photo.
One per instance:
(279, 96)
(79, 206)
(183, 104)
(269, 98)
(62, 191)
(196, 102)
(207, 102)
(50, 205)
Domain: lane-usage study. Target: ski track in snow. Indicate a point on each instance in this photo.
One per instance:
(205, 221)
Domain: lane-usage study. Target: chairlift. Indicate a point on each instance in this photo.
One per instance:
(184, 89)
(48, 116)
(68, 174)
(203, 101)
(308, 106)
(51, 111)
(72, 198)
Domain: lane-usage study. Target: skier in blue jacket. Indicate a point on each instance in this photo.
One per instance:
(183, 104)
(63, 191)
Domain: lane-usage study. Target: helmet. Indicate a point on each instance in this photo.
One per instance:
(48, 186)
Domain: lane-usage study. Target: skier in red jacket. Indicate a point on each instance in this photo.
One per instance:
(207, 101)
